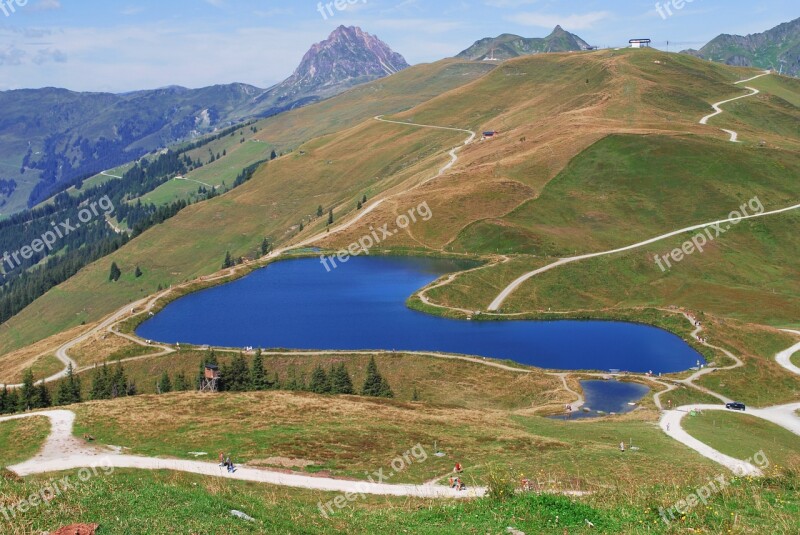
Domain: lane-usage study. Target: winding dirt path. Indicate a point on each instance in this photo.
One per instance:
(500, 299)
(782, 415)
(62, 451)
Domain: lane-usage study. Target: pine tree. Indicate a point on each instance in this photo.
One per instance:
(69, 390)
(358, 205)
(27, 394)
(43, 398)
(115, 273)
(292, 383)
(164, 385)
(236, 377)
(119, 382)
(372, 383)
(273, 155)
(364, 199)
(330, 216)
(319, 211)
(386, 390)
(101, 383)
(265, 247)
(301, 226)
(258, 377)
(228, 262)
(4, 408)
(319, 381)
(181, 384)
(340, 380)
(12, 403)
(138, 272)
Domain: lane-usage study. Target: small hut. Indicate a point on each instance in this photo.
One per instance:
(210, 382)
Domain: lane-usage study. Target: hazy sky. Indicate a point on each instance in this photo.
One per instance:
(122, 45)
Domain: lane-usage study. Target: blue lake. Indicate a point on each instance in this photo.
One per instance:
(297, 304)
(608, 397)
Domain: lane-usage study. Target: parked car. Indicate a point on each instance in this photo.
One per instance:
(736, 406)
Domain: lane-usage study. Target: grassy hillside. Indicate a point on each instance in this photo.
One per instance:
(193, 503)
(345, 435)
(742, 436)
(548, 109)
(21, 439)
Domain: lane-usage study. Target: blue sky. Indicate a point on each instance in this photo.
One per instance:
(122, 45)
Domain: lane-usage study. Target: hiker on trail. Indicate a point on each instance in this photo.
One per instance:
(457, 469)
(221, 459)
(622, 446)
(452, 482)
(229, 463)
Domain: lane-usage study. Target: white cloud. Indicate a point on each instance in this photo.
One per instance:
(580, 21)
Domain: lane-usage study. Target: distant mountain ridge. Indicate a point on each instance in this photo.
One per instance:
(52, 137)
(778, 48)
(507, 46)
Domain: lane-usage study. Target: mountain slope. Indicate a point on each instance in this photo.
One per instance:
(508, 45)
(53, 137)
(778, 49)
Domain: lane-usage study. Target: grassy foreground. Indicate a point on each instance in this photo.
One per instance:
(186, 504)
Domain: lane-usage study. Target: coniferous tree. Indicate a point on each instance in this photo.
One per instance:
(115, 273)
(330, 216)
(164, 385)
(181, 384)
(69, 390)
(301, 226)
(364, 199)
(265, 247)
(138, 272)
(319, 211)
(236, 376)
(228, 262)
(386, 390)
(341, 383)
(43, 398)
(415, 395)
(375, 385)
(319, 381)
(119, 382)
(258, 377)
(358, 205)
(101, 383)
(292, 383)
(27, 394)
(12, 403)
(4, 409)
(273, 155)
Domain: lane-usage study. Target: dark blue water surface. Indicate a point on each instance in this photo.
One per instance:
(608, 397)
(297, 304)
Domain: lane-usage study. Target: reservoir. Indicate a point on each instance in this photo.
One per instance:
(297, 304)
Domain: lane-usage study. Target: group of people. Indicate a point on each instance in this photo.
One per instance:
(455, 482)
(225, 460)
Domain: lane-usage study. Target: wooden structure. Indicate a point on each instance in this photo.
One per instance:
(210, 382)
